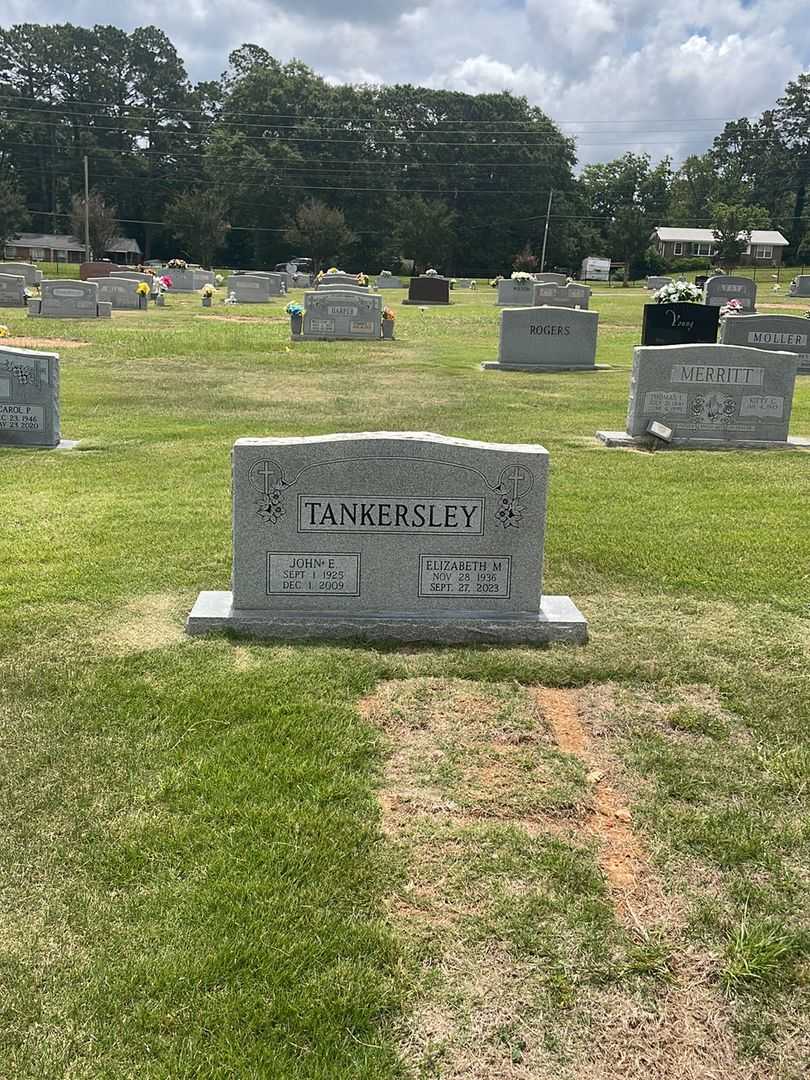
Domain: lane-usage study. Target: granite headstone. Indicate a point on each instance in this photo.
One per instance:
(571, 295)
(389, 536)
(547, 339)
(29, 398)
(800, 286)
(721, 288)
(12, 290)
(515, 292)
(341, 315)
(679, 324)
(33, 277)
(782, 333)
(251, 288)
(428, 289)
(69, 300)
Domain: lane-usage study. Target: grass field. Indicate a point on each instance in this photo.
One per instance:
(224, 859)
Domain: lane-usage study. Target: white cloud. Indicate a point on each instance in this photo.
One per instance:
(629, 68)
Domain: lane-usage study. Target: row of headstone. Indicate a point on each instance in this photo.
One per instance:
(389, 536)
(27, 271)
(69, 300)
(341, 314)
(800, 286)
(340, 278)
(12, 290)
(547, 338)
(29, 398)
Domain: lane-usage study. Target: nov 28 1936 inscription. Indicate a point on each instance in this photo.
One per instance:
(389, 535)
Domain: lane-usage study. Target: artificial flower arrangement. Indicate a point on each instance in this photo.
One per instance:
(230, 299)
(390, 314)
(385, 273)
(333, 270)
(207, 290)
(493, 282)
(4, 331)
(142, 289)
(294, 309)
(362, 279)
(177, 264)
(218, 278)
(431, 273)
(678, 292)
(521, 275)
(807, 314)
(731, 307)
(319, 276)
(164, 283)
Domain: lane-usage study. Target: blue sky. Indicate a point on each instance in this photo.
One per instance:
(618, 74)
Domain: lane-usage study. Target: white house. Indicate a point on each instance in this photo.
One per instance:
(765, 249)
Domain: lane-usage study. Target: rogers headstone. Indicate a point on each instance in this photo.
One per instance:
(547, 339)
(389, 536)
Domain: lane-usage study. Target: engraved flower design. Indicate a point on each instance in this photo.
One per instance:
(509, 514)
(270, 507)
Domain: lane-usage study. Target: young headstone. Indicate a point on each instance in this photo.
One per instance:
(515, 292)
(33, 277)
(12, 290)
(122, 293)
(428, 289)
(800, 286)
(90, 270)
(782, 333)
(570, 295)
(398, 536)
(547, 339)
(550, 279)
(341, 315)
(655, 283)
(721, 288)
(710, 396)
(29, 398)
(69, 300)
(250, 288)
(679, 324)
(389, 282)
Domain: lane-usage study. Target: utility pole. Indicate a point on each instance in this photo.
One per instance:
(87, 253)
(545, 233)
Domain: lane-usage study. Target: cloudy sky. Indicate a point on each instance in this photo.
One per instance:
(618, 74)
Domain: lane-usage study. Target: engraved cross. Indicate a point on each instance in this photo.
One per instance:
(517, 475)
(265, 474)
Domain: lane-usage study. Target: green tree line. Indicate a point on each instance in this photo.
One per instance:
(230, 169)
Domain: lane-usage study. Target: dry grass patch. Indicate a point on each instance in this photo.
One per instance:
(154, 621)
(42, 343)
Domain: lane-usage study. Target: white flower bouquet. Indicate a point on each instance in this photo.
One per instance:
(678, 292)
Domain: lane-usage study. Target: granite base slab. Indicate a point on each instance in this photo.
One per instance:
(63, 444)
(645, 442)
(537, 369)
(558, 620)
(333, 337)
(427, 303)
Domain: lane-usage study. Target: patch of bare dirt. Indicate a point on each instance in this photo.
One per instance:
(153, 621)
(42, 343)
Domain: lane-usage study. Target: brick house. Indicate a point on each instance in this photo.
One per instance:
(48, 247)
(765, 249)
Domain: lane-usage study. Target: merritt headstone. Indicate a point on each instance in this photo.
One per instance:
(341, 315)
(428, 289)
(721, 288)
(571, 295)
(547, 339)
(402, 536)
(12, 290)
(679, 324)
(711, 395)
(515, 292)
(29, 398)
(783, 333)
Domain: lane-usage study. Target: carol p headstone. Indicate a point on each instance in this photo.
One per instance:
(401, 536)
(29, 398)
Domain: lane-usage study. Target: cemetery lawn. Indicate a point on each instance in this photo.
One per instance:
(231, 859)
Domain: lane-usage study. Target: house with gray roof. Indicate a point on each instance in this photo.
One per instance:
(765, 248)
(52, 247)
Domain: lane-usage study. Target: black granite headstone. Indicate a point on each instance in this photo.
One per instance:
(679, 324)
(701, 280)
(429, 290)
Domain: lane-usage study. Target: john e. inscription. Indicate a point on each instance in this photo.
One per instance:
(398, 536)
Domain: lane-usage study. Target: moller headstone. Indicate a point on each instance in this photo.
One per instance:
(547, 339)
(122, 293)
(250, 288)
(679, 324)
(29, 398)
(69, 300)
(800, 286)
(710, 397)
(784, 333)
(340, 315)
(399, 536)
(721, 288)
(515, 292)
(12, 290)
(428, 289)
(33, 277)
(570, 295)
